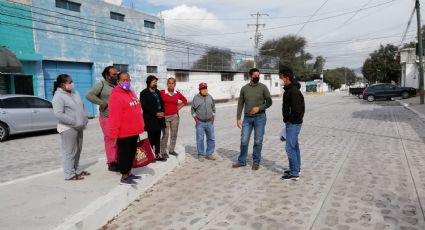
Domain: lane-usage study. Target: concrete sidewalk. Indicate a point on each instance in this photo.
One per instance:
(47, 201)
(414, 105)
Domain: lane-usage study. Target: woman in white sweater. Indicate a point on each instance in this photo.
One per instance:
(69, 110)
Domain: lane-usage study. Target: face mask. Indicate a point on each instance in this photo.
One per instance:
(255, 80)
(125, 85)
(69, 87)
(281, 82)
(204, 92)
(154, 86)
(113, 80)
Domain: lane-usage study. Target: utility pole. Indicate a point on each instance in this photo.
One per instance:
(421, 54)
(257, 36)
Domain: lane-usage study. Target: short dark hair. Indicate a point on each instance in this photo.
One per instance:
(106, 70)
(287, 72)
(121, 73)
(251, 71)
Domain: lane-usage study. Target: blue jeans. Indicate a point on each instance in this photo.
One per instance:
(293, 148)
(257, 123)
(206, 128)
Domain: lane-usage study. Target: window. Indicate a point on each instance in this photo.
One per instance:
(149, 24)
(267, 77)
(151, 69)
(117, 16)
(227, 77)
(121, 67)
(182, 76)
(14, 103)
(68, 5)
(37, 103)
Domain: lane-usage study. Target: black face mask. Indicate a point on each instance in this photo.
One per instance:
(113, 80)
(255, 80)
(154, 86)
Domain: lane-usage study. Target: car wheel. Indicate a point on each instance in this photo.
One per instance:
(370, 98)
(4, 132)
(360, 96)
(405, 95)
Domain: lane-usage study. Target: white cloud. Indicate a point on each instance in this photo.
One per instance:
(176, 20)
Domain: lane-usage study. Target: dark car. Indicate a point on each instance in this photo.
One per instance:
(24, 113)
(387, 90)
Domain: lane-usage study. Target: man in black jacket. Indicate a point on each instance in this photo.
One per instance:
(293, 109)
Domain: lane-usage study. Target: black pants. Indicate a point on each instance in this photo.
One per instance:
(155, 140)
(127, 150)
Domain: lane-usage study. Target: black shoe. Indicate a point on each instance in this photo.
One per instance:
(113, 167)
(164, 155)
(161, 159)
(289, 171)
(289, 177)
(174, 153)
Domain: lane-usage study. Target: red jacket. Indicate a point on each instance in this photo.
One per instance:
(125, 114)
(171, 102)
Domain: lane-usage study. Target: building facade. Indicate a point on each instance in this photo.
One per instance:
(409, 68)
(81, 38)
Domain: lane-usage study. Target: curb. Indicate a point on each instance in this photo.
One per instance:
(105, 208)
(407, 106)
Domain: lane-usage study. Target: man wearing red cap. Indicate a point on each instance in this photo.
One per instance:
(203, 111)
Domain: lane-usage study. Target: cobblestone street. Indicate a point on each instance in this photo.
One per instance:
(363, 168)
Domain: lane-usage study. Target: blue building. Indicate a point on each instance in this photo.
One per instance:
(81, 38)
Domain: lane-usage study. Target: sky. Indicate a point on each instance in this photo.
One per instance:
(343, 32)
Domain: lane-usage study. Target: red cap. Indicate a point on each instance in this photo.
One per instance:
(202, 85)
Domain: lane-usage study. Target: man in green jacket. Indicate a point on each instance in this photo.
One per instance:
(254, 99)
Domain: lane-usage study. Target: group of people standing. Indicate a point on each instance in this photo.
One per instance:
(123, 117)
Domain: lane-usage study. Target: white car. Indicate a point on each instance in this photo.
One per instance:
(25, 113)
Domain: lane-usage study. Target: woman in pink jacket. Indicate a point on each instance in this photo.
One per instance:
(126, 123)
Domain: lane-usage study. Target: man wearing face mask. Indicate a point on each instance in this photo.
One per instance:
(99, 94)
(254, 99)
(203, 112)
(153, 114)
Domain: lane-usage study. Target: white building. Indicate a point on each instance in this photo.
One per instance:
(221, 85)
(409, 68)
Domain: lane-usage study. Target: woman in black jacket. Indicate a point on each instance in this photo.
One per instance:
(153, 114)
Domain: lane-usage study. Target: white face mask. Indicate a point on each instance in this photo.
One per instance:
(69, 87)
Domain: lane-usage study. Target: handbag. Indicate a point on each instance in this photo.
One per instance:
(144, 154)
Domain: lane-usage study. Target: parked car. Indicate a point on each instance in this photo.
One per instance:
(24, 113)
(387, 90)
(357, 91)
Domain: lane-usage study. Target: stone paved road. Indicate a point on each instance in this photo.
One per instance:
(363, 168)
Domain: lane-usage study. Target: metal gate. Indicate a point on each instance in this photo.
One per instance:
(81, 73)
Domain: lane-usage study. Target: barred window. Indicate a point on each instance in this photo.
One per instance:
(182, 76)
(121, 67)
(149, 24)
(68, 5)
(227, 76)
(117, 16)
(151, 69)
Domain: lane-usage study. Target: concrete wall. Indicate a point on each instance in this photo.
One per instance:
(220, 90)
(409, 68)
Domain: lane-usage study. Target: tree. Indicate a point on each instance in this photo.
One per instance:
(383, 65)
(289, 50)
(336, 77)
(215, 59)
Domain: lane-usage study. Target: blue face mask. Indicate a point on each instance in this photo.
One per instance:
(125, 85)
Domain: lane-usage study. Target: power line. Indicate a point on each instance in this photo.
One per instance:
(317, 10)
(403, 36)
